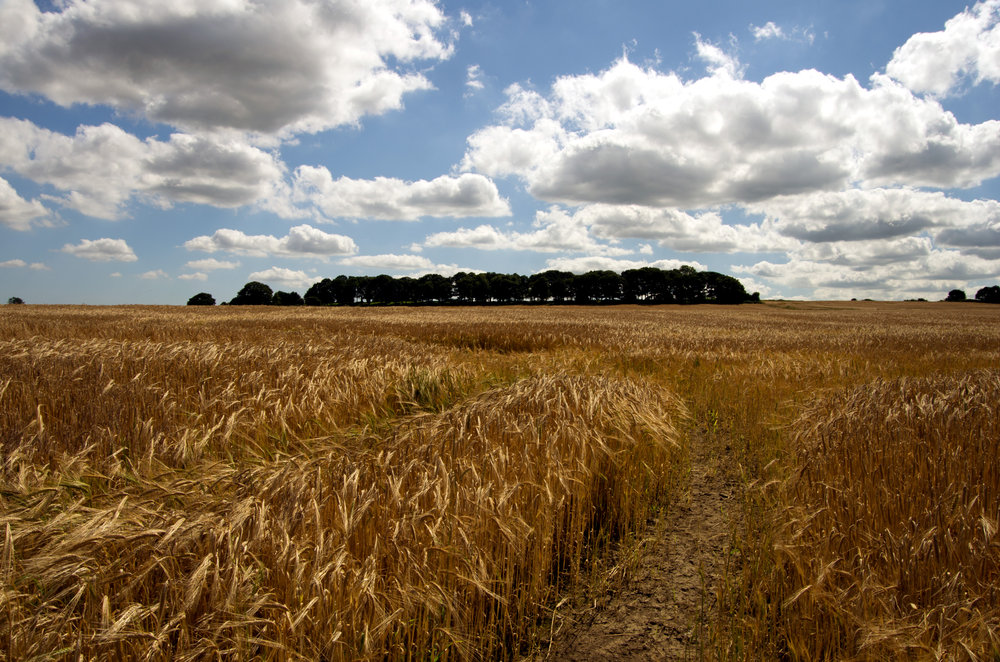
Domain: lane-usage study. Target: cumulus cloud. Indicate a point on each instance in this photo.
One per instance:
(389, 261)
(198, 275)
(303, 241)
(20, 264)
(879, 213)
(100, 169)
(394, 199)
(558, 232)
(101, 250)
(925, 273)
(284, 277)
(672, 228)
(156, 274)
(968, 49)
(211, 264)
(270, 67)
(630, 135)
(581, 265)
(18, 213)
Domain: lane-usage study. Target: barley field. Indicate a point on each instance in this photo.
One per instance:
(428, 483)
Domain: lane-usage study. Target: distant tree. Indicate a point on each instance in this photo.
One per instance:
(14, 300)
(321, 293)
(724, 289)
(406, 289)
(434, 287)
(287, 299)
(562, 284)
(253, 293)
(471, 287)
(383, 289)
(956, 295)
(201, 299)
(538, 288)
(643, 284)
(990, 294)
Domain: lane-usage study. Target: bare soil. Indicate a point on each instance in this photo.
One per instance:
(661, 608)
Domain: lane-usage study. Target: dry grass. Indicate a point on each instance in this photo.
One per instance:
(890, 545)
(424, 483)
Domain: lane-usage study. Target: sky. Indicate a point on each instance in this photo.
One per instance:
(814, 150)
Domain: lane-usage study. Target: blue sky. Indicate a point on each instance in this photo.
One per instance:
(149, 151)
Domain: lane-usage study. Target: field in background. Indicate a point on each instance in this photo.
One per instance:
(426, 483)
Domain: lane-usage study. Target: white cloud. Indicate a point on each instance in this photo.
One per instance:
(772, 31)
(678, 230)
(271, 67)
(394, 199)
(100, 169)
(301, 241)
(557, 232)
(926, 273)
(581, 265)
(13, 264)
(284, 277)
(967, 49)
(878, 213)
(211, 264)
(718, 62)
(39, 266)
(18, 213)
(195, 276)
(473, 78)
(466, 18)
(102, 250)
(767, 31)
(390, 262)
(636, 136)
(157, 274)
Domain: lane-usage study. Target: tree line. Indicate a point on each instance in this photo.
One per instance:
(649, 285)
(988, 294)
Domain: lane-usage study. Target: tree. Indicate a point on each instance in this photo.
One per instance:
(253, 293)
(725, 289)
(990, 294)
(201, 299)
(434, 287)
(15, 300)
(287, 299)
(321, 293)
(561, 284)
(956, 295)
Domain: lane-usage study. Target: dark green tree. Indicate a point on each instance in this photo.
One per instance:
(470, 287)
(956, 295)
(15, 300)
(253, 293)
(562, 284)
(723, 289)
(434, 287)
(201, 299)
(538, 288)
(287, 299)
(989, 294)
(643, 285)
(321, 293)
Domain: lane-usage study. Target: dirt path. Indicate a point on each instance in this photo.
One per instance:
(656, 614)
